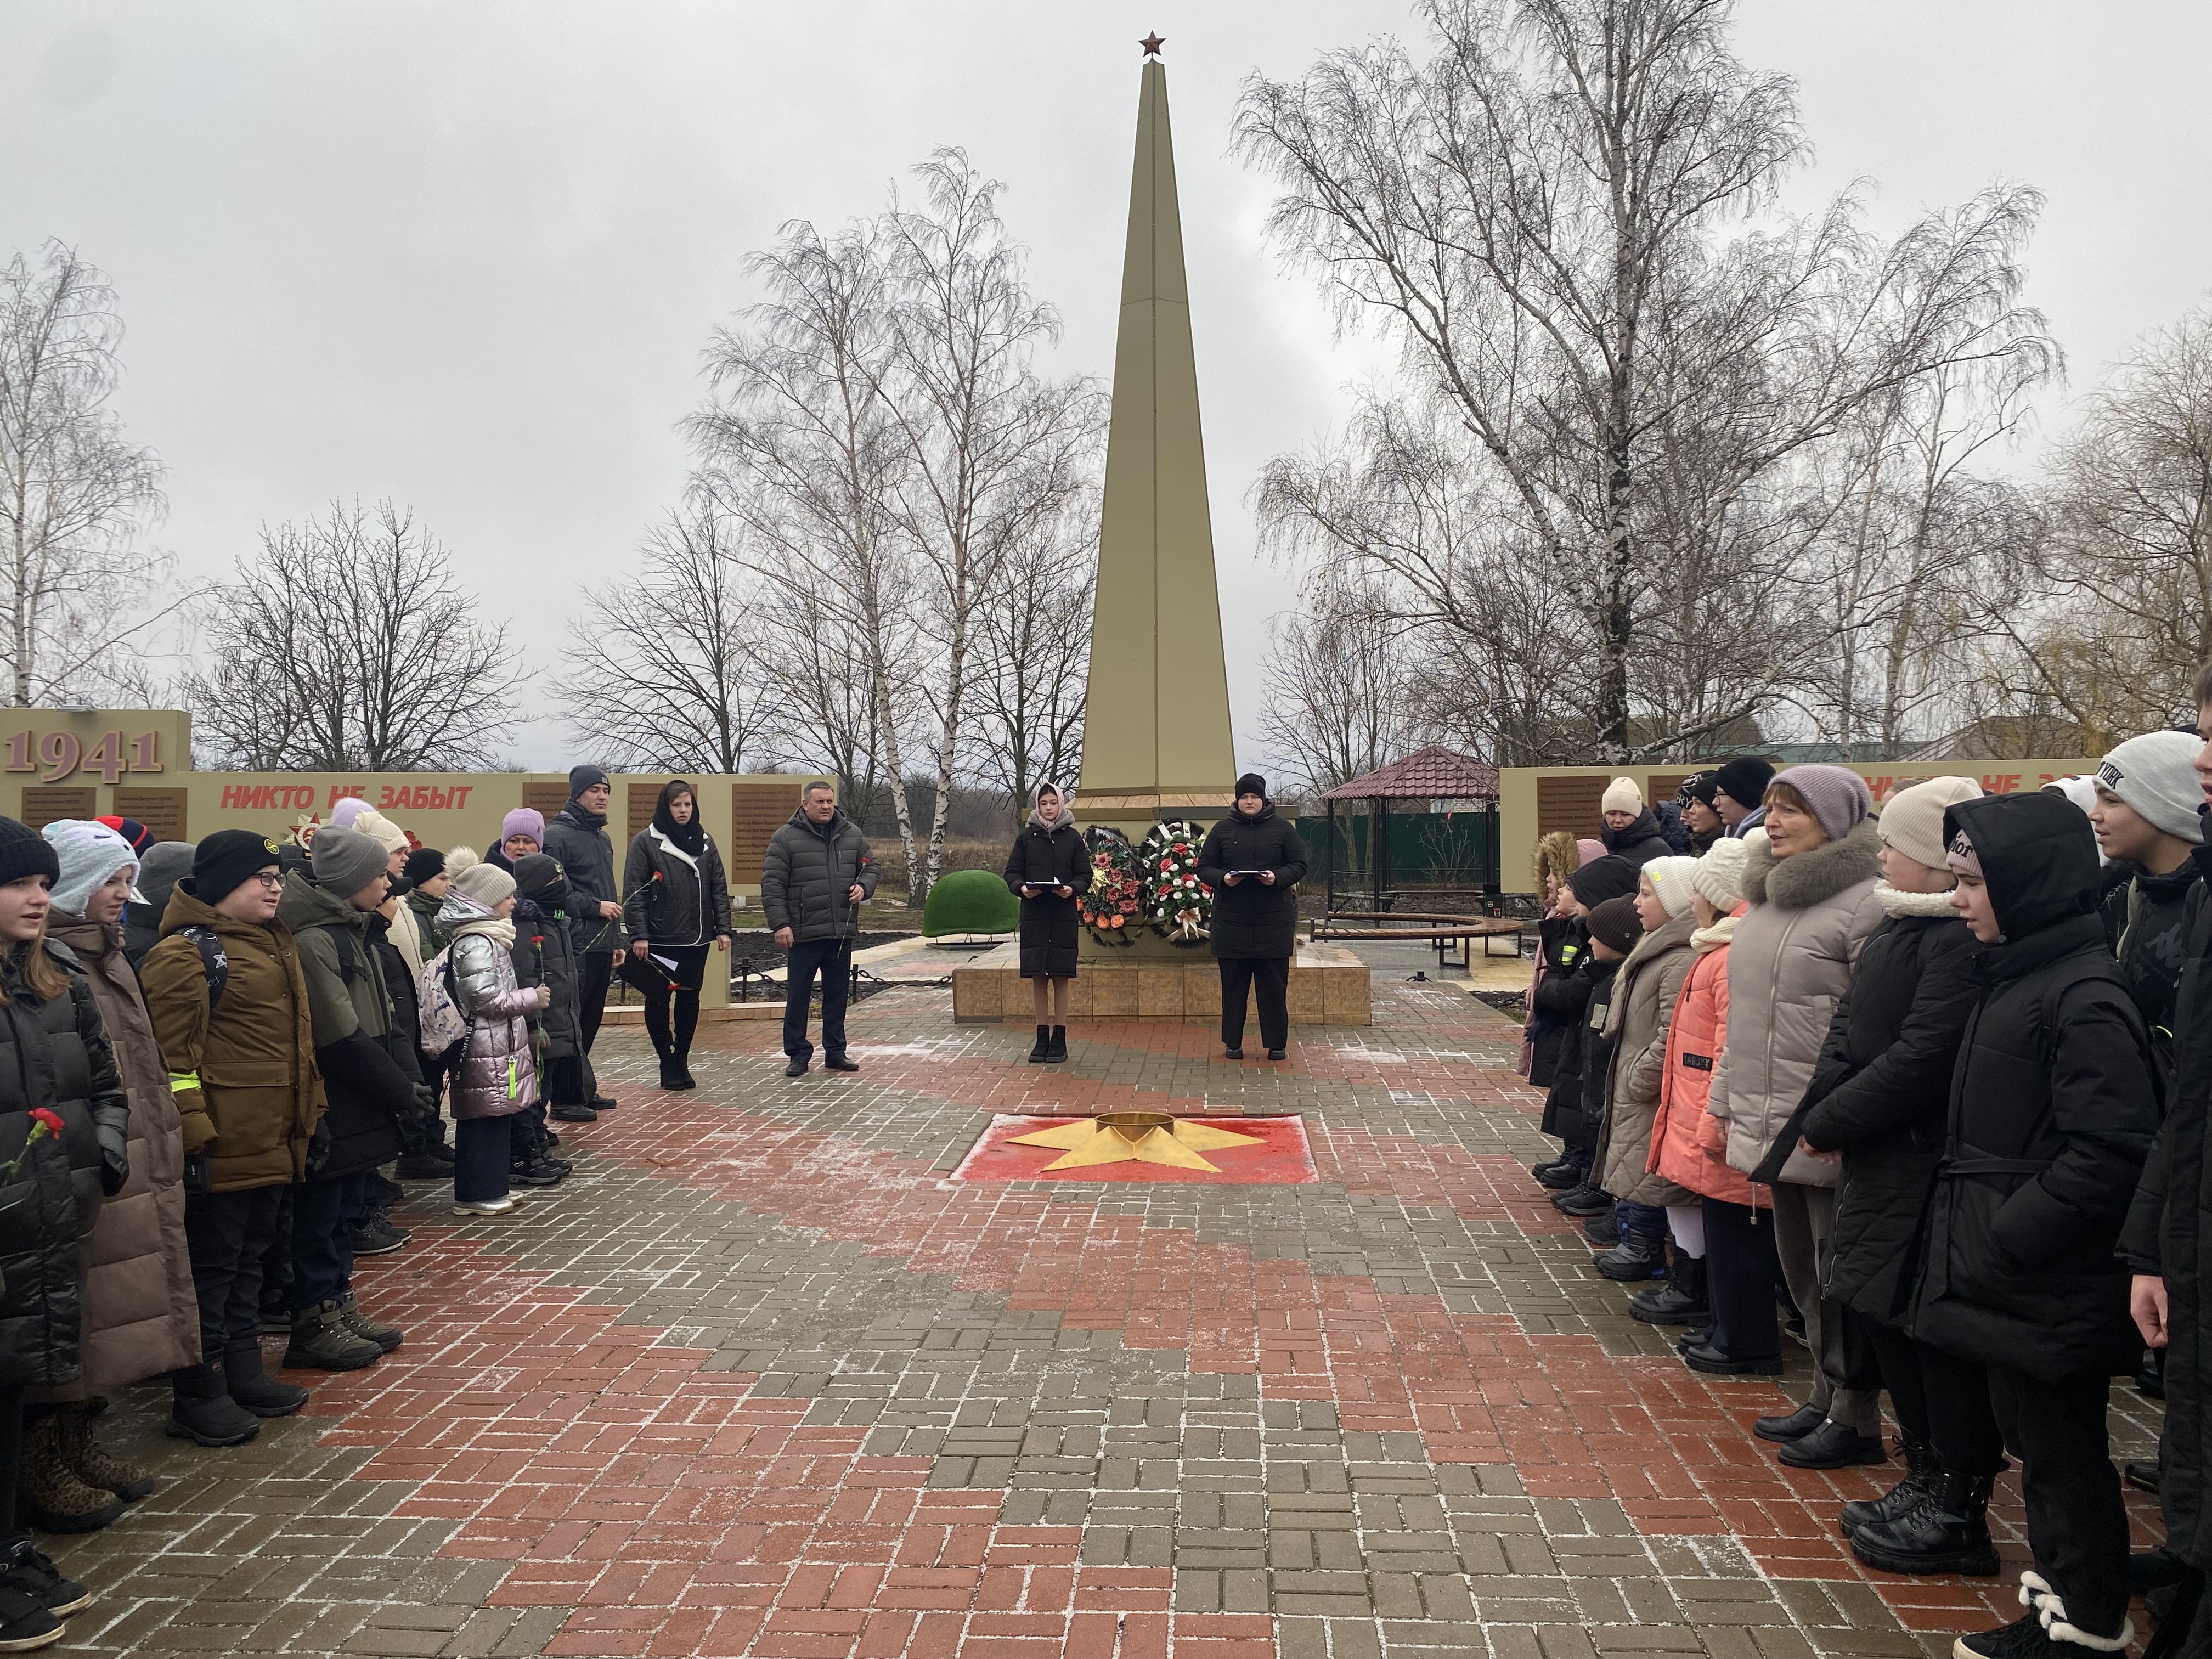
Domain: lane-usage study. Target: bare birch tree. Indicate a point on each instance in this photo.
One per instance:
(2104, 616)
(345, 645)
(993, 451)
(1034, 652)
(1339, 679)
(74, 583)
(666, 675)
(1564, 219)
(798, 445)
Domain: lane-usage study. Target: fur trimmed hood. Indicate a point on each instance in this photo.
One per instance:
(1895, 901)
(1809, 878)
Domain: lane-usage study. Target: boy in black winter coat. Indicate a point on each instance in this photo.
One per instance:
(2051, 1115)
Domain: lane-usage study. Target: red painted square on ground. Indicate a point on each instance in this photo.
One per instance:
(1281, 1159)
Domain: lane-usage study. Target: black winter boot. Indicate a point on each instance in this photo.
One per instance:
(1057, 1052)
(1922, 1472)
(1584, 1200)
(1948, 1531)
(673, 1077)
(202, 1411)
(683, 1077)
(1043, 1050)
(1639, 1255)
(1680, 1301)
(252, 1387)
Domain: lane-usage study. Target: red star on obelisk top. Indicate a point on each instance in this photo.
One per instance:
(1151, 44)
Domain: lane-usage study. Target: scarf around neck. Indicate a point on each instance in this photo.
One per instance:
(1895, 901)
(461, 914)
(690, 839)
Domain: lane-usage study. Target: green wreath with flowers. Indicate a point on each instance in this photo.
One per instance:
(1177, 904)
(1115, 901)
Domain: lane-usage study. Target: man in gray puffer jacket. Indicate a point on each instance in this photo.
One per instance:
(817, 872)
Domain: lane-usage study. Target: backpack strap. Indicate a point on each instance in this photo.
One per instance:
(213, 963)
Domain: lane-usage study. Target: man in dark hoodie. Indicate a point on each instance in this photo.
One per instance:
(816, 873)
(2051, 1115)
(576, 837)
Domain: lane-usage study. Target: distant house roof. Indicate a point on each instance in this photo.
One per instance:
(1433, 774)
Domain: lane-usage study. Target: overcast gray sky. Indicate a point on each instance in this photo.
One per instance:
(466, 255)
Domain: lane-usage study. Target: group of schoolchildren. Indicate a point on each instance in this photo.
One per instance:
(216, 1051)
(1890, 1083)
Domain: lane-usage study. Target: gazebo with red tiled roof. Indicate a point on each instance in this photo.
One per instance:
(1435, 773)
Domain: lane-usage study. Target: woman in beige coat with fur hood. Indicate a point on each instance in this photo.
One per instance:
(1809, 880)
(1639, 1018)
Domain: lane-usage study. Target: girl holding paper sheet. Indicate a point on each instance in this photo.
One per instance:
(1047, 867)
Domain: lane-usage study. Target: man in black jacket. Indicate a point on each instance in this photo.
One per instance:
(2146, 820)
(2051, 1115)
(815, 875)
(1254, 862)
(2168, 1240)
(576, 835)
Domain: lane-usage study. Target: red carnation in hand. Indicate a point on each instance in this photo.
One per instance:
(41, 1114)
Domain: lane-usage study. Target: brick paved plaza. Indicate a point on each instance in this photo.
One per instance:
(761, 1379)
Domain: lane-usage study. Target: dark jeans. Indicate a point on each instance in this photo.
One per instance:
(1740, 1279)
(526, 1139)
(832, 960)
(2077, 1526)
(659, 987)
(227, 1235)
(1271, 976)
(595, 971)
(276, 1260)
(484, 1153)
(322, 1214)
(1941, 1400)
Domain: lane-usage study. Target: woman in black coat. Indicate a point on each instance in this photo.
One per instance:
(1254, 862)
(676, 899)
(1047, 866)
(1879, 1096)
(2051, 1115)
(55, 1063)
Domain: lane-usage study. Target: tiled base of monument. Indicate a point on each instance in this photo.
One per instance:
(1329, 986)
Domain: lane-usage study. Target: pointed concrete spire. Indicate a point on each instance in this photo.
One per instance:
(1156, 725)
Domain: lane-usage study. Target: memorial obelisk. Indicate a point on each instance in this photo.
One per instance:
(1156, 736)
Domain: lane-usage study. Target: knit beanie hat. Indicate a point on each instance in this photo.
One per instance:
(1719, 874)
(527, 820)
(25, 852)
(459, 858)
(1608, 877)
(137, 834)
(487, 884)
(2156, 774)
(221, 863)
(1837, 796)
(535, 873)
(1912, 820)
(1698, 786)
(1616, 925)
(1622, 795)
(346, 810)
(424, 864)
(1670, 878)
(167, 862)
(582, 778)
(1589, 850)
(383, 831)
(88, 852)
(1743, 780)
(346, 860)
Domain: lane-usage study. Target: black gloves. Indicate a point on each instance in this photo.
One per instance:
(196, 1178)
(319, 1146)
(114, 1155)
